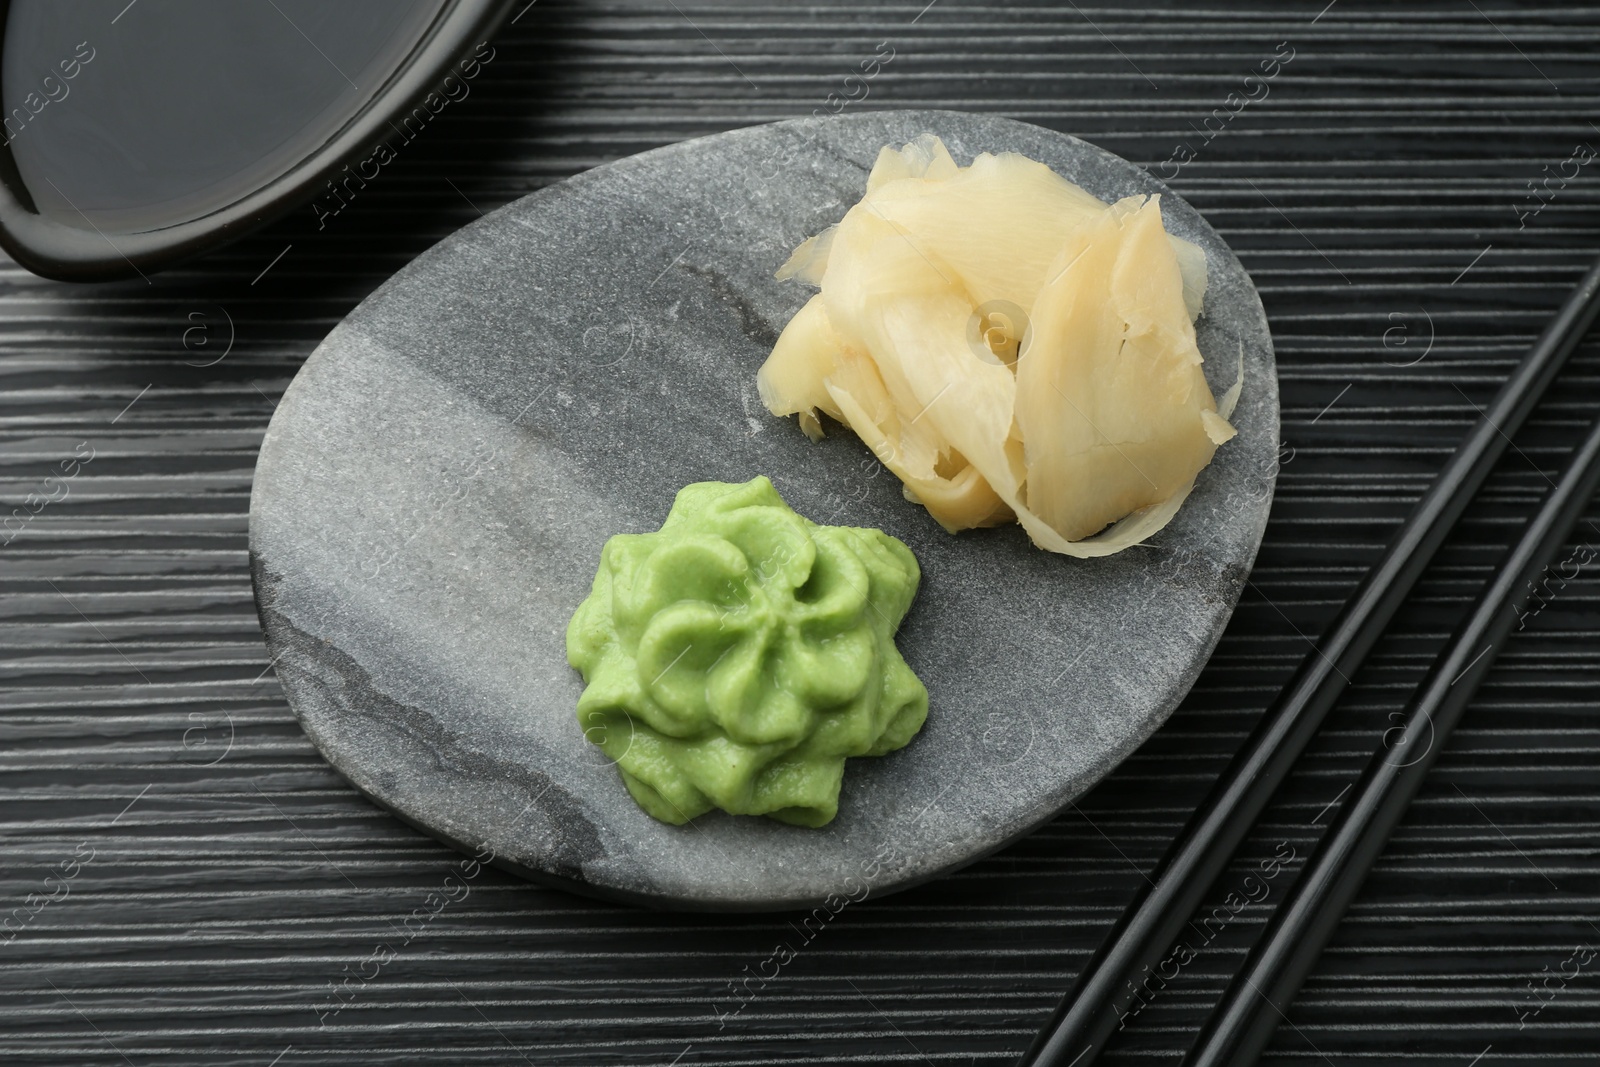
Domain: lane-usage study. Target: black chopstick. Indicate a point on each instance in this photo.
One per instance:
(1095, 1008)
(1249, 1012)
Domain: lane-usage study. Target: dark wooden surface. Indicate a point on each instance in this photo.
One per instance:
(212, 881)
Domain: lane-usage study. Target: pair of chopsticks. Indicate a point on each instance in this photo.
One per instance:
(1244, 1021)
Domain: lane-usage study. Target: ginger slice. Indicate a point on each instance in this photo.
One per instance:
(1110, 390)
(790, 381)
(997, 224)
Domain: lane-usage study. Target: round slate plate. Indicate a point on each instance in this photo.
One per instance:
(435, 488)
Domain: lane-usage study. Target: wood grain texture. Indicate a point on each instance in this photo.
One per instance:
(224, 880)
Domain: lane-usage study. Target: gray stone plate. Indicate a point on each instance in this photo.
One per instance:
(436, 485)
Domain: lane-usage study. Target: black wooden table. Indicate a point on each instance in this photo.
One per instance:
(1411, 186)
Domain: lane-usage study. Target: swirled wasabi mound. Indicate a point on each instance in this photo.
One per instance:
(739, 655)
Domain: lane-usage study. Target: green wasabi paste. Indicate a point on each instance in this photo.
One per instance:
(736, 657)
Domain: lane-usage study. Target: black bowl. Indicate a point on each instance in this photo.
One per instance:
(139, 134)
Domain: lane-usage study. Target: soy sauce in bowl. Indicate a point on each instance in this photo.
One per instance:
(137, 133)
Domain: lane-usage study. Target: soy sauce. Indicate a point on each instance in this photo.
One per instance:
(125, 117)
